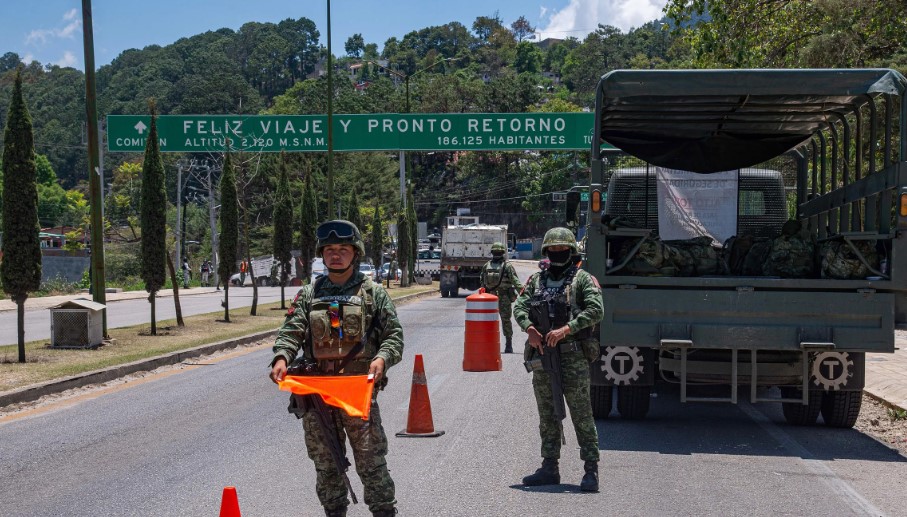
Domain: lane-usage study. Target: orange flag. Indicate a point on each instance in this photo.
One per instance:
(351, 393)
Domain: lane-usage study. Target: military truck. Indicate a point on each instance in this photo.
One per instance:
(815, 176)
(465, 248)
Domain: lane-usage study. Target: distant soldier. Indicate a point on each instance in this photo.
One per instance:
(500, 279)
(187, 273)
(558, 309)
(205, 270)
(365, 309)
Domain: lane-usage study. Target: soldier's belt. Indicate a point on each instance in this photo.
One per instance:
(570, 346)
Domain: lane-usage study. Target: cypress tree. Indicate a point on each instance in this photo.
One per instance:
(21, 267)
(283, 226)
(153, 217)
(229, 229)
(355, 215)
(308, 220)
(377, 237)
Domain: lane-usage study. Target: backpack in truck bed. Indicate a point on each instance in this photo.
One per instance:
(839, 261)
(792, 254)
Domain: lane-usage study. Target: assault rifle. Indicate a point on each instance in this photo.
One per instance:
(549, 360)
(325, 417)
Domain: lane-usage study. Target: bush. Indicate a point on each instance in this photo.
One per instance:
(58, 285)
(123, 263)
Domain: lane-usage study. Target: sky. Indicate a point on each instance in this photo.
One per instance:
(50, 31)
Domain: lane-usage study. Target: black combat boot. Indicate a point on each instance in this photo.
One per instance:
(387, 512)
(590, 478)
(335, 512)
(548, 474)
(508, 346)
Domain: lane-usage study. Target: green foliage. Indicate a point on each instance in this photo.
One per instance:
(20, 269)
(528, 58)
(45, 172)
(353, 213)
(153, 212)
(228, 238)
(376, 239)
(308, 220)
(790, 33)
(355, 45)
(283, 221)
(895, 414)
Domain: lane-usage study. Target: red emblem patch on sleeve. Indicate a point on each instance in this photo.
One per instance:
(595, 281)
(291, 310)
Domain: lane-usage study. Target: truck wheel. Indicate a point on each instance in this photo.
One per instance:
(602, 397)
(841, 408)
(633, 401)
(796, 413)
(444, 293)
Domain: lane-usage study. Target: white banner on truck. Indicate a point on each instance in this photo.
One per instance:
(693, 205)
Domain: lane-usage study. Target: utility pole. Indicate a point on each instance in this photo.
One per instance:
(330, 118)
(212, 220)
(99, 284)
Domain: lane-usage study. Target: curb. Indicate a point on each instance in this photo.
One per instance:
(34, 392)
(126, 296)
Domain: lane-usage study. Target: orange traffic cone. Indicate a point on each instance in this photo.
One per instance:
(419, 423)
(229, 505)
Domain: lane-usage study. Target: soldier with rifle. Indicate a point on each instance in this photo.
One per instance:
(342, 324)
(558, 309)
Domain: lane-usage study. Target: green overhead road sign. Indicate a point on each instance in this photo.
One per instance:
(371, 132)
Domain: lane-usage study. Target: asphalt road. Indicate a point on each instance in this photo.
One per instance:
(124, 313)
(169, 443)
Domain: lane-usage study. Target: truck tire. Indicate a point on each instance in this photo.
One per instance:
(602, 398)
(633, 401)
(841, 408)
(444, 293)
(796, 413)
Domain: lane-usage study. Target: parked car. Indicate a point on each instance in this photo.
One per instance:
(368, 269)
(512, 253)
(385, 269)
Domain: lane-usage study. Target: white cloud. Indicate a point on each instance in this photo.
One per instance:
(67, 31)
(542, 12)
(68, 59)
(580, 17)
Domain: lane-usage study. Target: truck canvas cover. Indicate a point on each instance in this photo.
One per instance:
(697, 120)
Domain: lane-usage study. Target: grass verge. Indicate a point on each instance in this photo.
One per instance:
(135, 343)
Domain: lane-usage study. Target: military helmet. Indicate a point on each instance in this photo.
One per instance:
(339, 231)
(498, 247)
(559, 237)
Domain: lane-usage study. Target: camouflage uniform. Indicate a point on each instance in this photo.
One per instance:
(574, 365)
(367, 438)
(586, 309)
(500, 279)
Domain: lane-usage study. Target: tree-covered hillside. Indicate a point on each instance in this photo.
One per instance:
(490, 65)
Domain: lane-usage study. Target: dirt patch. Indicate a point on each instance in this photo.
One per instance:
(886, 424)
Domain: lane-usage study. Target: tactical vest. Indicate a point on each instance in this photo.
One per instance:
(494, 275)
(560, 302)
(354, 313)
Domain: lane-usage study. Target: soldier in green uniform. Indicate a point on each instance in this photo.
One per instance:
(572, 298)
(500, 279)
(307, 333)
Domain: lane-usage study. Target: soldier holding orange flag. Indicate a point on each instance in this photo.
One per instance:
(345, 324)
